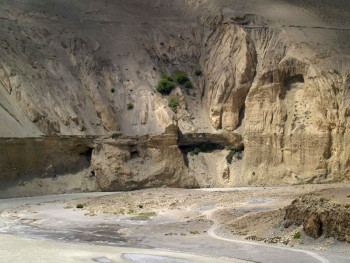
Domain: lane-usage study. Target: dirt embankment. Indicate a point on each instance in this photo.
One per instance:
(326, 212)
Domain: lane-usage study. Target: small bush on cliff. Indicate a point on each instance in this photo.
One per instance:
(165, 86)
(198, 72)
(188, 85)
(165, 76)
(230, 155)
(204, 147)
(80, 206)
(196, 151)
(232, 152)
(297, 235)
(130, 106)
(173, 103)
(180, 77)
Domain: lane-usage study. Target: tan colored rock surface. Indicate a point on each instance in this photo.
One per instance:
(145, 162)
(230, 70)
(43, 157)
(279, 78)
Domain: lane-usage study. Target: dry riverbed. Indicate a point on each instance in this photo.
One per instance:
(203, 222)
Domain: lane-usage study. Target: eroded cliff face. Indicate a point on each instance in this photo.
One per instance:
(230, 71)
(46, 165)
(52, 164)
(144, 162)
(295, 119)
(280, 82)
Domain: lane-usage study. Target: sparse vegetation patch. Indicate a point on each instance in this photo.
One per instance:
(188, 85)
(180, 77)
(130, 106)
(131, 212)
(297, 235)
(204, 147)
(232, 152)
(173, 103)
(168, 77)
(147, 214)
(198, 72)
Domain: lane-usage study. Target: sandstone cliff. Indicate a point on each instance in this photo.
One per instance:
(274, 73)
(149, 161)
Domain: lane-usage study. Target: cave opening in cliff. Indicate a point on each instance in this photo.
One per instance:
(195, 149)
(299, 78)
(290, 82)
(87, 154)
(134, 155)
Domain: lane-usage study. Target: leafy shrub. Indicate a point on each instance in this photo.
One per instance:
(80, 206)
(188, 85)
(165, 86)
(196, 151)
(297, 235)
(180, 77)
(204, 147)
(232, 152)
(165, 76)
(130, 106)
(140, 206)
(173, 102)
(198, 72)
(230, 155)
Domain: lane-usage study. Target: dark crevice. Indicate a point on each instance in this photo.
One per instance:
(134, 155)
(241, 117)
(87, 154)
(294, 79)
(195, 149)
(288, 82)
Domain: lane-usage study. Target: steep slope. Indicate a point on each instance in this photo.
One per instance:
(274, 72)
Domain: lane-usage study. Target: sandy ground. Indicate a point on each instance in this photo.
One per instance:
(38, 248)
(34, 251)
(338, 195)
(244, 223)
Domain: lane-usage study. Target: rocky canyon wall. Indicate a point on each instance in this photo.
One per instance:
(46, 156)
(275, 86)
